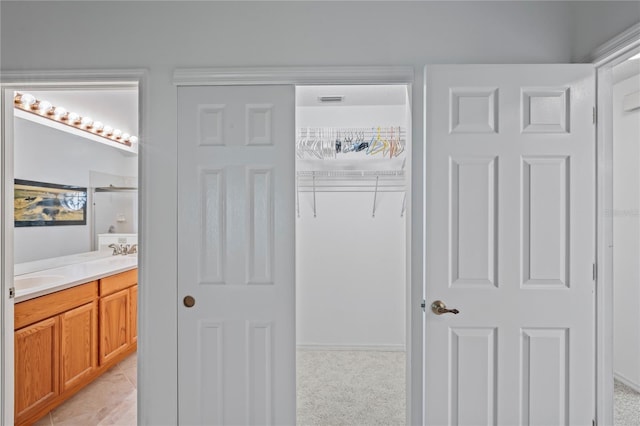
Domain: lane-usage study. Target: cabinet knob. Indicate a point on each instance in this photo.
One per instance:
(189, 301)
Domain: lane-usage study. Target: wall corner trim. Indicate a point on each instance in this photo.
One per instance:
(627, 40)
(293, 75)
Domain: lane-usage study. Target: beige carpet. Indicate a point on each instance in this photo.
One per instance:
(627, 406)
(350, 388)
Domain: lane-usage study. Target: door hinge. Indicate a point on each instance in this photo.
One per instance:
(595, 271)
(594, 422)
(595, 115)
(12, 292)
(423, 305)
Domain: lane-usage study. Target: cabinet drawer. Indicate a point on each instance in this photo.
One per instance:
(42, 307)
(118, 282)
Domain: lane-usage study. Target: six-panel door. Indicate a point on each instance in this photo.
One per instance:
(510, 228)
(236, 255)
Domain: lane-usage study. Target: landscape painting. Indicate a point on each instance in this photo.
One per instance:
(48, 204)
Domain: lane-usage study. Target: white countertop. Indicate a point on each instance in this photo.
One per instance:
(58, 274)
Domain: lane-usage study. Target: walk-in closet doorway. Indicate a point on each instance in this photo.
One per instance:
(353, 157)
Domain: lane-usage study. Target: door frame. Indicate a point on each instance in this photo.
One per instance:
(360, 75)
(48, 80)
(604, 59)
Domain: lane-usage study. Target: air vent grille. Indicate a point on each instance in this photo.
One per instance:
(330, 98)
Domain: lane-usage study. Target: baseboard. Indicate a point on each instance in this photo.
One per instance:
(633, 385)
(380, 348)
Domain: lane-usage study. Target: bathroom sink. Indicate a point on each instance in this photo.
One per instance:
(117, 260)
(30, 282)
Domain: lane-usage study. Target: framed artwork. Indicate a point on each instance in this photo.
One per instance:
(48, 204)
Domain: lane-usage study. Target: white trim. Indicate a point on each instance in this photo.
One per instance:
(373, 348)
(293, 75)
(604, 238)
(72, 79)
(6, 264)
(615, 47)
(622, 379)
(605, 58)
(80, 79)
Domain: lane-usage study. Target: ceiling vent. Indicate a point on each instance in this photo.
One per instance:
(323, 99)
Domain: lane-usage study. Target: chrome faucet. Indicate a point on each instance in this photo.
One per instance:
(123, 249)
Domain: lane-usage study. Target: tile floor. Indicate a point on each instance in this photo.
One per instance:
(110, 400)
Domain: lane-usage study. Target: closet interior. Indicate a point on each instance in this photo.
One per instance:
(353, 159)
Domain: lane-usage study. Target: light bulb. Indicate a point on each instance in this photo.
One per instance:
(73, 117)
(117, 133)
(133, 139)
(59, 112)
(45, 107)
(108, 130)
(28, 99)
(126, 136)
(98, 126)
(87, 122)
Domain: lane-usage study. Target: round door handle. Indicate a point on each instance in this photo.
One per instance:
(189, 301)
(438, 307)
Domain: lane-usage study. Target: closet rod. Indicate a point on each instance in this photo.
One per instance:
(351, 173)
(371, 189)
(372, 129)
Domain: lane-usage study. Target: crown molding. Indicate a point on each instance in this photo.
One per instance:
(79, 79)
(619, 45)
(293, 75)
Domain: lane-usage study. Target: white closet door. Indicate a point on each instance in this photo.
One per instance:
(510, 225)
(236, 247)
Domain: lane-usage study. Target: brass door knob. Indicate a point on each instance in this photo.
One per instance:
(189, 301)
(438, 307)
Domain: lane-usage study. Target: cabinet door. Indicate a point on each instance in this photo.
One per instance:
(37, 357)
(133, 299)
(79, 344)
(114, 324)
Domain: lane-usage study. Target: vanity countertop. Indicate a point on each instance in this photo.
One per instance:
(59, 274)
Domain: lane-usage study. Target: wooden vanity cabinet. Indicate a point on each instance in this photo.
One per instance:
(133, 295)
(114, 324)
(36, 366)
(54, 336)
(116, 311)
(66, 339)
(78, 344)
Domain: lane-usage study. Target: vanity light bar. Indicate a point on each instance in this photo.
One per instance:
(27, 102)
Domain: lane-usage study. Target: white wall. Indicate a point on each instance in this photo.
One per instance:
(48, 155)
(350, 272)
(626, 235)
(161, 36)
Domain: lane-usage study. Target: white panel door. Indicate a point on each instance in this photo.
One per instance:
(236, 255)
(510, 226)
